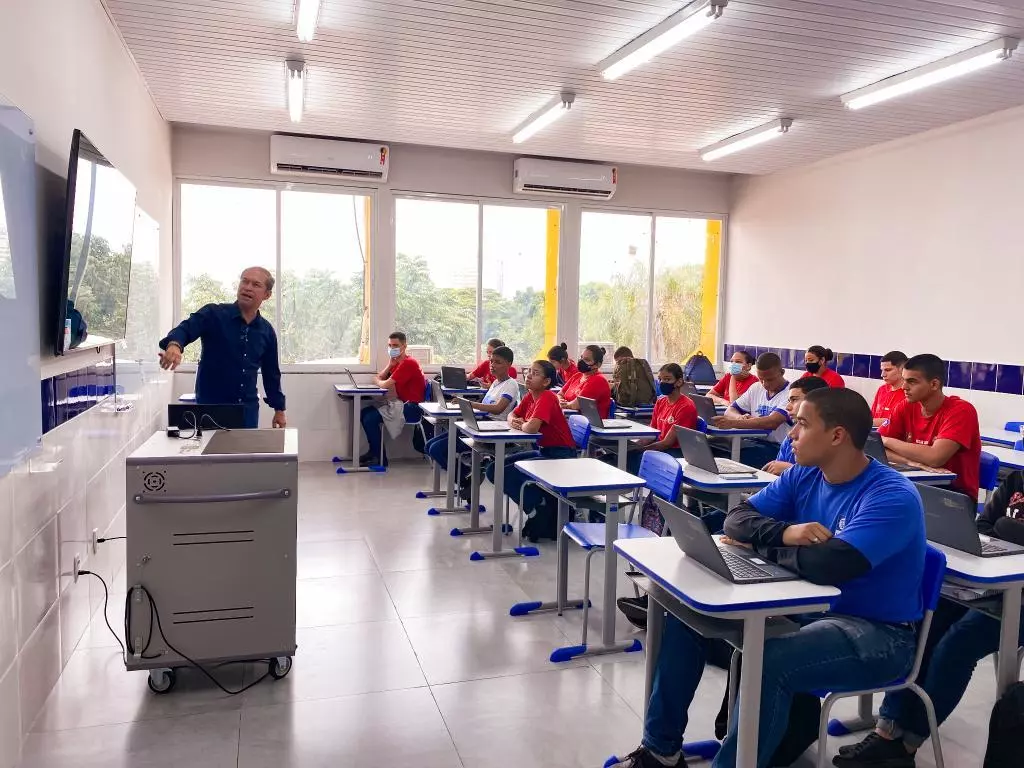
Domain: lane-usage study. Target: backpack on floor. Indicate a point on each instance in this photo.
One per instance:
(1005, 747)
(699, 370)
(635, 383)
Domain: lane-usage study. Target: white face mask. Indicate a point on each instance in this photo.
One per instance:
(394, 352)
(735, 368)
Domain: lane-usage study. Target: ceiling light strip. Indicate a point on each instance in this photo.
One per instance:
(747, 139)
(295, 74)
(306, 13)
(545, 117)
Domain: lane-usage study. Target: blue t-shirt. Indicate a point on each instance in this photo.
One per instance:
(786, 451)
(880, 514)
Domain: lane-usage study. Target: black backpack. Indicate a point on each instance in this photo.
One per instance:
(699, 370)
(1005, 748)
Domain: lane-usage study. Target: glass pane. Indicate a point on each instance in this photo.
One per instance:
(324, 302)
(514, 279)
(224, 230)
(679, 249)
(435, 274)
(615, 257)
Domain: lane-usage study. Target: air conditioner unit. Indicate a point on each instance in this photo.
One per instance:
(534, 176)
(302, 156)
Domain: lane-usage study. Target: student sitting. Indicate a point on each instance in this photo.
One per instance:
(588, 382)
(565, 368)
(797, 392)
(737, 380)
(816, 360)
(958, 639)
(933, 429)
(837, 518)
(891, 393)
(499, 401)
(403, 384)
(763, 406)
(538, 412)
(482, 373)
(633, 381)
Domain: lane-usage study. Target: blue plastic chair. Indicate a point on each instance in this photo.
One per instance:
(580, 429)
(988, 476)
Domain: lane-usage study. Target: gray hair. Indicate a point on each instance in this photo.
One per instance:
(268, 277)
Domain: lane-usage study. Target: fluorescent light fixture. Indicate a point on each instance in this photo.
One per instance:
(306, 13)
(658, 39)
(540, 120)
(296, 74)
(932, 74)
(747, 139)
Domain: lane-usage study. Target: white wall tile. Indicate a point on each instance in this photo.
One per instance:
(39, 667)
(75, 611)
(34, 499)
(6, 519)
(36, 574)
(8, 616)
(10, 719)
(73, 538)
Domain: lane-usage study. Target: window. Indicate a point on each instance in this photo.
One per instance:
(679, 251)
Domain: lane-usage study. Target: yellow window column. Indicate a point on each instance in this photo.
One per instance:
(709, 302)
(551, 280)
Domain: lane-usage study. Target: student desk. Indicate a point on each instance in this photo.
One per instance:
(736, 437)
(190, 397)
(702, 480)
(1008, 457)
(927, 477)
(465, 392)
(703, 389)
(1001, 437)
(436, 414)
(621, 438)
(573, 478)
(478, 441)
(717, 608)
(348, 392)
(633, 411)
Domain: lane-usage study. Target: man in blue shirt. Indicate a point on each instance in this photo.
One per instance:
(797, 392)
(237, 342)
(838, 518)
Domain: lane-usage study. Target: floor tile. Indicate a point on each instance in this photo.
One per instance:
(343, 600)
(478, 587)
(423, 551)
(324, 559)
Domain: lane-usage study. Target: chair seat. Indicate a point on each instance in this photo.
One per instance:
(598, 501)
(590, 535)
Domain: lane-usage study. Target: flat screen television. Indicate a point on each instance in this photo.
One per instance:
(92, 303)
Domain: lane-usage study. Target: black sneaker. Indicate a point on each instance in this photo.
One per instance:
(634, 609)
(642, 757)
(874, 751)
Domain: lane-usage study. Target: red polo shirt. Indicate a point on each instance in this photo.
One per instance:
(830, 377)
(554, 429)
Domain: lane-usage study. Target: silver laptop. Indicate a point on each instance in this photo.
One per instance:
(588, 408)
(440, 398)
(876, 450)
(469, 416)
(949, 519)
(697, 452)
(705, 407)
(737, 564)
(355, 384)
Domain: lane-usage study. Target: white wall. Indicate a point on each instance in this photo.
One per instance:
(63, 63)
(914, 245)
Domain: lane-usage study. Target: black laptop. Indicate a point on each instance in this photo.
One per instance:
(949, 519)
(469, 416)
(588, 409)
(876, 450)
(453, 377)
(705, 407)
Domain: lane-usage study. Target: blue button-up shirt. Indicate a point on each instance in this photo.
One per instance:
(233, 351)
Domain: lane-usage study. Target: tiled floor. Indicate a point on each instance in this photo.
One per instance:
(407, 657)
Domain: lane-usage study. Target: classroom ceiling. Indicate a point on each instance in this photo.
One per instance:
(466, 73)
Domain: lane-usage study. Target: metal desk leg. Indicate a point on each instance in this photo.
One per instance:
(623, 443)
(499, 523)
(750, 690)
(737, 448)
(1009, 627)
(354, 465)
(449, 505)
(562, 601)
(474, 503)
(435, 491)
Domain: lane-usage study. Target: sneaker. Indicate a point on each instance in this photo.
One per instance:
(874, 751)
(634, 609)
(642, 757)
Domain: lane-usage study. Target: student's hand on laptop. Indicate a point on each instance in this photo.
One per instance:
(805, 534)
(734, 543)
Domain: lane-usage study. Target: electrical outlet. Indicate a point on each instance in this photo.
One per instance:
(77, 567)
(94, 540)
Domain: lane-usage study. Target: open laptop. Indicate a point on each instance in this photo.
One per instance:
(697, 453)
(469, 416)
(876, 450)
(453, 377)
(705, 406)
(737, 564)
(949, 520)
(441, 400)
(588, 408)
(356, 385)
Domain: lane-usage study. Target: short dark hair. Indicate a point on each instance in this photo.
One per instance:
(549, 371)
(895, 357)
(597, 352)
(808, 384)
(398, 335)
(824, 353)
(932, 366)
(843, 408)
(768, 360)
(494, 343)
(622, 352)
(746, 356)
(674, 368)
(504, 353)
(559, 353)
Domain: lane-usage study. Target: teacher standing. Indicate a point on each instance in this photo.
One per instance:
(237, 342)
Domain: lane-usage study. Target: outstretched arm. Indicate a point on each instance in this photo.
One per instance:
(187, 331)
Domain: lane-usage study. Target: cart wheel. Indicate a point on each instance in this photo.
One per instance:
(162, 680)
(280, 666)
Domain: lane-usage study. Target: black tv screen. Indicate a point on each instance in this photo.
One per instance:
(100, 219)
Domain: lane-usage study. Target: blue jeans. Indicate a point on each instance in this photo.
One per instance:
(437, 449)
(515, 480)
(372, 422)
(828, 652)
(959, 638)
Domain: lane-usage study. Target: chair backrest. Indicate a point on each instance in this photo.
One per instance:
(580, 429)
(611, 410)
(931, 582)
(702, 426)
(988, 475)
(663, 474)
(428, 390)
(1013, 426)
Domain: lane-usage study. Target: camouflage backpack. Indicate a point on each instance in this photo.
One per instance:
(635, 385)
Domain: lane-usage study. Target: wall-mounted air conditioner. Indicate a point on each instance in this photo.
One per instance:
(535, 176)
(303, 156)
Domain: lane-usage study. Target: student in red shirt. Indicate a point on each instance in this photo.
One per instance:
(816, 361)
(738, 379)
(891, 393)
(482, 373)
(538, 411)
(934, 429)
(404, 386)
(588, 382)
(565, 368)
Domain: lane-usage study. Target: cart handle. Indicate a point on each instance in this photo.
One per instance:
(283, 493)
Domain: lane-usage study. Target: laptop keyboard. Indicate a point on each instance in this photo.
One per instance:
(988, 546)
(729, 466)
(742, 568)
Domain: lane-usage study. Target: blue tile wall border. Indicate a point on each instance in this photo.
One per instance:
(69, 394)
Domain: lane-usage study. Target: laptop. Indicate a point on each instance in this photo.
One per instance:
(876, 450)
(689, 388)
(355, 385)
(469, 416)
(737, 564)
(697, 453)
(588, 408)
(188, 416)
(705, 406)
(949, 520)
(439, 396)
(453, 377)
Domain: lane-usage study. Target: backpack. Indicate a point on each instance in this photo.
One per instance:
(635, 383)
(1005, 748)
(699, 370)
(650, 516)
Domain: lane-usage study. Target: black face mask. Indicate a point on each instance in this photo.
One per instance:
(812, 367)
(583, 366)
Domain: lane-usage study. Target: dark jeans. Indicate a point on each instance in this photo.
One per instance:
(827, 652)
(958, 639)
(515, 480)
(372, 422)
(437, 449)
(634, 457)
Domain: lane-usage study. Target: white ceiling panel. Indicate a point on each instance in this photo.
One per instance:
(466, 73)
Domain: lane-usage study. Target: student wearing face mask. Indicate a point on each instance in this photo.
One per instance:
(816, 360)
(737, 380)
(891, 393)
(588, 382)
(404, 386)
